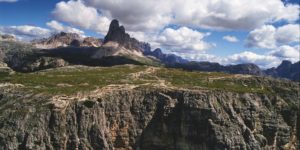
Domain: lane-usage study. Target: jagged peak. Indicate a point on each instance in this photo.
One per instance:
(117, 33)
(7, 37)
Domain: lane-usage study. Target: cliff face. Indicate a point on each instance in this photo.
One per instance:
(140, 117)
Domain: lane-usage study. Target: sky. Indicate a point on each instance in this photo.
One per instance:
(223, 31)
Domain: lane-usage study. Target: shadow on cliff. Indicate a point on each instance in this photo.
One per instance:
(35, 61)
(178, 127)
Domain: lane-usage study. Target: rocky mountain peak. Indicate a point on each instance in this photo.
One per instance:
(117, 33)
(285, 63)
(7, 37)
(286, 70)
(61, 39)
(64, 39)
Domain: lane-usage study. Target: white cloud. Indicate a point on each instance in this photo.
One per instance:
(288, 33)
(10, 1)
(78, 14)
(61, 28)
(263, 61)
(25, 32)
(183, 39)
(136, 15)
(287, 52)
(152, 16)
(231, 39)
(263, 37)
(215, 14)
(269, 37)
(200, 57)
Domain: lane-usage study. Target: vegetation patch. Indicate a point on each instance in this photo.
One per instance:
(89, 103)
(77, 79)
(69, 80)
(211, 80)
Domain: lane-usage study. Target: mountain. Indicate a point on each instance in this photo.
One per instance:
(251, 69)
(116, 33)
(146, 108)
(7, 38)
(91, 42)
(57, 40)
(168, 59)
(116, 48)
(285, 70)
(63, 39)
(71, 49)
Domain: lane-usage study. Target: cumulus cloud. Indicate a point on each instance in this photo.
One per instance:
(263, 37)
(288, 33)
(287, 52)
(201, 57)
(263, 61)
(269, 37)
(217, 14)
(78, 14)
(136, 14)
(9, 1)
(234, 14)
(231, 39)
(183, 40)
(152, 15)
(25, 32)
(58, 27)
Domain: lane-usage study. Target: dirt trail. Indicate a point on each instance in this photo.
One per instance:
(150, 72)
(139, 74)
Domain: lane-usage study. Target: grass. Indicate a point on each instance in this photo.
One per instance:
(72, 80)
(211, 80)
(69, 81)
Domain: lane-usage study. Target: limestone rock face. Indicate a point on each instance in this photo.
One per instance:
(147, 119)
(117, 34)
(57, 40)
(7, 38)
(91, 42)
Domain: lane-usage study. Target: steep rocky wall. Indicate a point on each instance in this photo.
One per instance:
(147, 119)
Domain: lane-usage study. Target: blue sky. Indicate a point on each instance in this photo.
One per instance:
(227, 32)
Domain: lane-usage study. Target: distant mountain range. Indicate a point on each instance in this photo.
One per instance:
(285, 70)
(116, 48)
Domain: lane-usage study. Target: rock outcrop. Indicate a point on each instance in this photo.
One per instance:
(91, 42)
(7, 37)
(61, 39)
(117, 34)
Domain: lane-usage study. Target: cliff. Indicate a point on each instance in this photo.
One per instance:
(138, 107)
